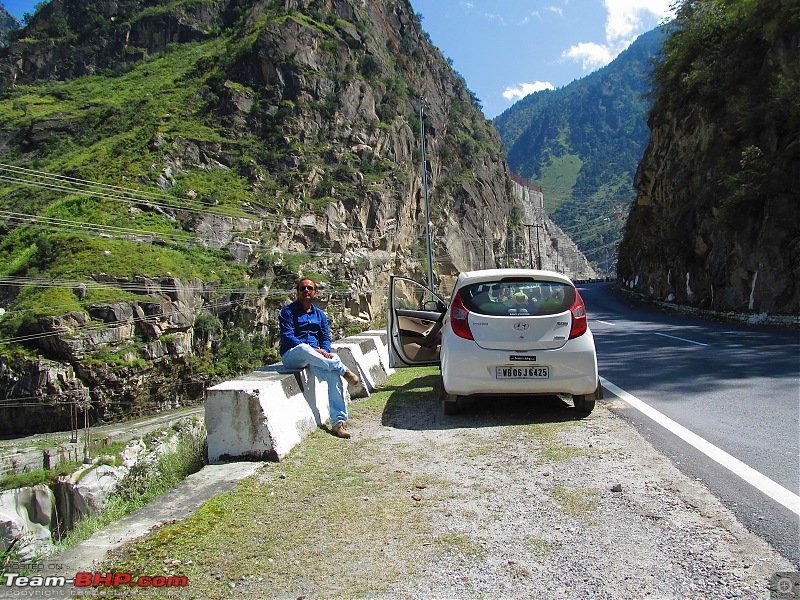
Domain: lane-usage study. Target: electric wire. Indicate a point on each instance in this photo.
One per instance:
(150, 197)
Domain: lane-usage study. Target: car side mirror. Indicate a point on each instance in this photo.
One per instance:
(433, 305)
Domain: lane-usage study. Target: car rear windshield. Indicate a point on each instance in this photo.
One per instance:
(518, 298)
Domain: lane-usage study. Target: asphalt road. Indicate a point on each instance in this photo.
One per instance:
(736, 386)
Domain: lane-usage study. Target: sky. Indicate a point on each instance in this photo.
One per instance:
(19, 7)
(507, 49)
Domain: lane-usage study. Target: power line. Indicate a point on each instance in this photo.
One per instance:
(133, 196)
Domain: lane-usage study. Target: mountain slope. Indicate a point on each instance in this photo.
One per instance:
(715, 223)
(8, 25)
(170, 167)
(582, 144)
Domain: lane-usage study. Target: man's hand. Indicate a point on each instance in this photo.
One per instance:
(325, 354)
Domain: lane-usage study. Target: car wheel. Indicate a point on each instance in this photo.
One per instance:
(584, 403)
(451, 405)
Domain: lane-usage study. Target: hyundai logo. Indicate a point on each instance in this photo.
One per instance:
(521, 326)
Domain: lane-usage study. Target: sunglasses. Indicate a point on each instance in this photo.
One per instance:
(301, 288)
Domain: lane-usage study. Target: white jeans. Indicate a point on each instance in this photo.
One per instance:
(328, 369)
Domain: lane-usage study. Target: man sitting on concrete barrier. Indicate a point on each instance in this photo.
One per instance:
(306, 341)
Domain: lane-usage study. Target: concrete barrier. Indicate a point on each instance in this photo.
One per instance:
(370, 352)
(16, 461)
(265, 414)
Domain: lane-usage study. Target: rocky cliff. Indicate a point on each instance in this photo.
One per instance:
(8, 25)
(715, 223)
(240, 144)
(329, 90)
(543, 242)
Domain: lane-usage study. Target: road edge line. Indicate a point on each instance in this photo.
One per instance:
(761, 482)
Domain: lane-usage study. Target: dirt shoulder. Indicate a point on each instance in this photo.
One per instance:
(509, 499)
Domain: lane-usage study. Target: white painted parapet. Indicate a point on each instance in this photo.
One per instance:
(363, 354)
(263, 415)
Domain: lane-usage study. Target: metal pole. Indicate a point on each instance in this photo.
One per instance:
(538, 248)
(555, 245)
(73, 420)
(484, 234)
(425, 185)
(86, 437)
(530, 246)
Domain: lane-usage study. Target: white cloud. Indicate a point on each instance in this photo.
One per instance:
(627, 18)
(494, 17)
(523, 89)
(591, 55)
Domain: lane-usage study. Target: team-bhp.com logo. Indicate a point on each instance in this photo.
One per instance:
(95, 580)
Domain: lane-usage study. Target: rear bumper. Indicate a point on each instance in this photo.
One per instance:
(573, 369)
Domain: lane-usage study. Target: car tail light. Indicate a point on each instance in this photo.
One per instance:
(579, 321)
(459, 318)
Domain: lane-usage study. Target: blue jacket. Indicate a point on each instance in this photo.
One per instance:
(299, 327)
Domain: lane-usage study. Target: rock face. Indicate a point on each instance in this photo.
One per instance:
(8, 25)
(27, 513)
(715, 223)
(544, 243)
(40, 516)
(315, 108)
(156, 337)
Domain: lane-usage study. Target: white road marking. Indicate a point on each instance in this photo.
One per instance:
(606, 323)
(681, 339)
(762, 483)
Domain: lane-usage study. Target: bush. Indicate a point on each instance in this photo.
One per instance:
(145, 481)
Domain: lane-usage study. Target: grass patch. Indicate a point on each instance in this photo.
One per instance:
(37, 477)
(579, 503)
(282, 526)
(558, 178)
(405, 386)
(541, 547)
(461, 545)
(548, 437)
(145, 481)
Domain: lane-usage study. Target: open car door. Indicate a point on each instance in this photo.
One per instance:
(415, 319)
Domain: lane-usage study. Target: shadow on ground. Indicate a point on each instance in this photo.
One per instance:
(416, 406)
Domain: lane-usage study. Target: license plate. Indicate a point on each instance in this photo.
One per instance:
(523, 372)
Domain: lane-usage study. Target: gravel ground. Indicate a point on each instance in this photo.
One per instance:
(534, 504)
(511, 499)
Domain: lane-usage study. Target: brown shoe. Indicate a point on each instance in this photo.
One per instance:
(351, 378)
(340, 430)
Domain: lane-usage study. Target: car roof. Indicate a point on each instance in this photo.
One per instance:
(470, 277)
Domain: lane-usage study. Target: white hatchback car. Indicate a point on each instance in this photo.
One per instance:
(505, 331)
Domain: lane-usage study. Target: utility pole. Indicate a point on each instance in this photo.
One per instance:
(482, 200)
(87, 439)
(538, 248)
(425, 186)
(73, 421)
(530, 246)
(555, 245)
(483, 233)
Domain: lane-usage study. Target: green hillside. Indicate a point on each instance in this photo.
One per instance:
(582, 144)
(715, 223)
